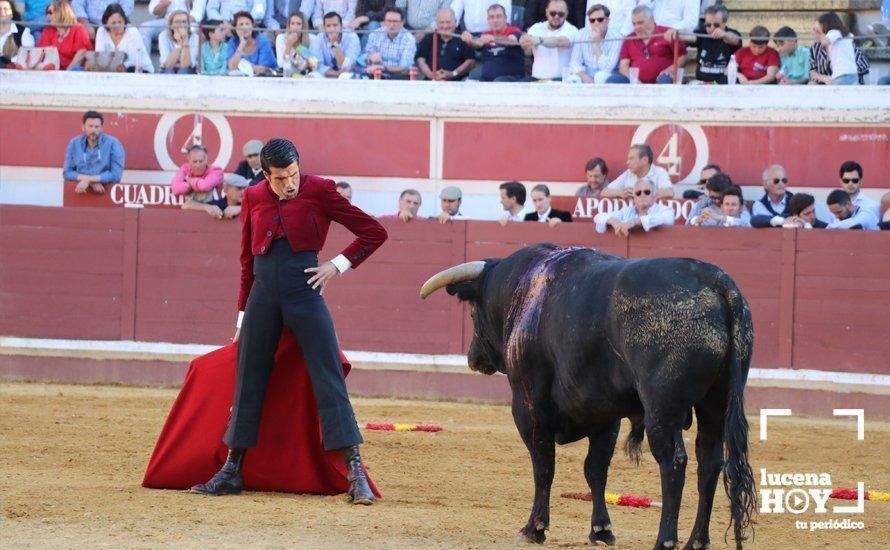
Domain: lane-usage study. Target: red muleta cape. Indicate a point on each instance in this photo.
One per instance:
(289, 455)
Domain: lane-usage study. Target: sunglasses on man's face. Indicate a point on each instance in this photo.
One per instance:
(850, 180)
(777, 181)
(597, 19)
(642, 192)
(557, 14)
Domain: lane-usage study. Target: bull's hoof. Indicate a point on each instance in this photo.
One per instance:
(698, 545)
(526, 536)
(602, 538)
(667, 545)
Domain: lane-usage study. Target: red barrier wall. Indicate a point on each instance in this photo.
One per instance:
(819, 299)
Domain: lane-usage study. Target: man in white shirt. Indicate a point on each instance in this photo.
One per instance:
(677, 14)
(847, 215)
(225, 10)
(550, 42)
(644, 212)
(596, 49)
(639, 166)
(620, 12)
(851, 182)
(475, 13)
(513, 201)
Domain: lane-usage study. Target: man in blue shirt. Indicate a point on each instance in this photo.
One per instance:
(94, 159)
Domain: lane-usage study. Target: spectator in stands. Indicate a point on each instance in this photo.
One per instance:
(715, 50)
(391, 48)
(335, 50)
(726, 210)
(820, 64)
(758, 63)
(848, 215)
(65, 34)
(214, 50)
(709, 204)
(345, 190)
(178, 45)
(703, 176)
(422, 14)
(513, 201)
(409, 203)
(885, 205)
(477, 14)
(369, 15)
(278, 13)
(292, 48)
(502, 57)
(596, 48)
(596, 173)
(228, 206)
(834, 37)
(619, 13)
(795, 68)
(12, 36)
(160, 10)
(450, 201)
(550, 43)
(116, 35)
(772, 208)
(93, 159)
(455, 58)
(544, 212)
(196, 179)
(344, 8)
(802, 212)
(33, 11)
(652, 57)
(644, 212)
(90, 11)
(251, 168)
(250, 52)
(226, 10)
(682, 15)
(639, 166)
(851, 181)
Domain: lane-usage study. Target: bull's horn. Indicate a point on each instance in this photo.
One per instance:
(456, 274)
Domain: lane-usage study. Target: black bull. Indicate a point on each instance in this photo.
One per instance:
(587, 339)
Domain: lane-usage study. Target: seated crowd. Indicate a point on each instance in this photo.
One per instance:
(95, 159)
(611, 41)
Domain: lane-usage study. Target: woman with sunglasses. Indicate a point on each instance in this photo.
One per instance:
(69, 37)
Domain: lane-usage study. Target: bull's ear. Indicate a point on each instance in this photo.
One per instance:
(467, 291)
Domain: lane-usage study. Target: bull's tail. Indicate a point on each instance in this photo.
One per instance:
(738, 480)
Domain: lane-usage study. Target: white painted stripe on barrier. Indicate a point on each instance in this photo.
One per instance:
(843, 382)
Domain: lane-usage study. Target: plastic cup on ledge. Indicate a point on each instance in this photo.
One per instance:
(634, 75)
(679, 79)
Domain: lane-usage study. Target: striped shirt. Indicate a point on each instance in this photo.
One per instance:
(398, 51)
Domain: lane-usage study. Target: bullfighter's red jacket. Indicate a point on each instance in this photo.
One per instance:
(305, 220)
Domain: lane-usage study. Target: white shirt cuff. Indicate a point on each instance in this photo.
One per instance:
(240, 318)
(645, 221)
(776, 221)
(341, 263)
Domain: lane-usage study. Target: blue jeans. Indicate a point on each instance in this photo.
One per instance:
(884, 81)
(845, 80)
(618, 78)
(180, 70)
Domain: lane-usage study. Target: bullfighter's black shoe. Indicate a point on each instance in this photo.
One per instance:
(227, 481)
(359, 489)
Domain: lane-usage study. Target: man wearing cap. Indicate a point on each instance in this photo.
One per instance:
(250, 168)
(226, 207)
(450, 199)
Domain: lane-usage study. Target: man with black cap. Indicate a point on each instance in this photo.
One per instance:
(250, 168)
(285, 223)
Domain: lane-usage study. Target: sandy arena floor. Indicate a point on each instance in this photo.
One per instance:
(72, 457)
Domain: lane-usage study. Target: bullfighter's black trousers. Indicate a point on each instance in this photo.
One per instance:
(280, 297)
